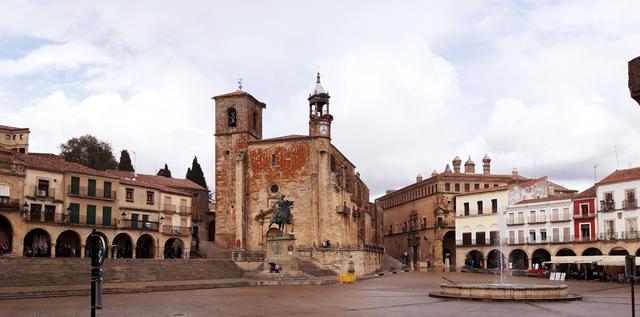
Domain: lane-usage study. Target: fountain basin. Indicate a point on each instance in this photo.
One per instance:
(505, 292)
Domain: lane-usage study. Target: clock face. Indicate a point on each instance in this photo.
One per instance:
(324, 130)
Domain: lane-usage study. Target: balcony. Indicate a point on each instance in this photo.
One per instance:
(97, 193)
(10, 205)
(516, 241)
(561, 217)
(624, 235)
(470, 242)
(629, 204)
(537, 241)
(515, 222)
(138, 225)
(182, 209)
(176, 230)
(537, 219)
(584, 215)
(169, 207)
(38, 216)
(58, 218)
(606, 206)
(44, 192)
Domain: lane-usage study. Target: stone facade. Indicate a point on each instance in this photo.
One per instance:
(419, 219)
(15, 139)
(331, 202)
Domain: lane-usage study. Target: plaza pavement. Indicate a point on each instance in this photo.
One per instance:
(392, 295)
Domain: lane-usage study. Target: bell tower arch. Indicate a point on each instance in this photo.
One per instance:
(319, 116)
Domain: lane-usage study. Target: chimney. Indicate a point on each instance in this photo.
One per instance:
(634, 79)
(514, 173)
(486, 164)
(469, 166)
(447, 169)
(456, 164)
(434, 173)
(419, 178)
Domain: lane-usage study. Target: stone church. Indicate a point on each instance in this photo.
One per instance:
(331, 203)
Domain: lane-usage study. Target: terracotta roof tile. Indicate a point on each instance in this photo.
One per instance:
(543, 199)
(178, 183)
(55, 163)
(621, 176)
(8, 128)
(239, 93)
(589, 193)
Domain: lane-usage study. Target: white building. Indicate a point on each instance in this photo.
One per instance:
(540, 220)
(617, 199)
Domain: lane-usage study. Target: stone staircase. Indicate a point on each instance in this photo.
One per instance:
(211, 250)
(389, 263)
(312, 269)
(66, 271)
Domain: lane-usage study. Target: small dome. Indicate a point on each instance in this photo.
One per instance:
(318, 89)
(486, 158)
(447, 169)
(434, 173)
(457, 159)
(469, 161)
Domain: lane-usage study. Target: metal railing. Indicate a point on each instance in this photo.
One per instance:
(608, 205)
(50, 217)
(630, 203)
(176, 230)
(584, 216)
(10, 205)
(93, 193)
(624, 235)
(515, 221)
(248, 256)
(537, 219)
(561, 217)
(169, 207)
(44, 193)
(182, 209)
(138, 225)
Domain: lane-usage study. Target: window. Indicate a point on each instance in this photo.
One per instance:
(532, 236)
(466, 187)
(75, 185)
(476, 186)
(106, 216)
(584, 209)
(107, 190)
(275, 188)
(495, 185)
(129, 194)
(480, 238)
(466, 238)
(36, 212)
(608, 196)
(494, 206)
(134, 221)
(74, 213)
(486, 185)
(49, 213)
(43, 188)
(91, 214)
(479, 207)
(520, 236)
(231, 117)
(543, 235)
(91, 190)
(494, 237)
(447, 187)
(255, 120)
(150, 199)
(21, 136)
(457, 187)
(512, 237)
(7, 137)
(585, 231)
(466, 209)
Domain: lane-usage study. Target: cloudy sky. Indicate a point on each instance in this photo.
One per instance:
(412, 84)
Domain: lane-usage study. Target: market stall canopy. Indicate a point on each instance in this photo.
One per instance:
(603, 260)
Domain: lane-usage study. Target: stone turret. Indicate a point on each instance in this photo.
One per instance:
(634, 79)
(419, 178)
(456, 164)
(469, 166)
(447, 169)
(486, 164)
(434, 173)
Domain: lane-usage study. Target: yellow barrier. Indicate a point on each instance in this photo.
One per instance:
(346, 278)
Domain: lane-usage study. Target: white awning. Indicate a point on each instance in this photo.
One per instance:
(4, 191)
(604, 260)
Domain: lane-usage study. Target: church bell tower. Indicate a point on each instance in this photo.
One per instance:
(319, 117)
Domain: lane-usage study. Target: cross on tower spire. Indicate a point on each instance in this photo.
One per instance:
(240, 84)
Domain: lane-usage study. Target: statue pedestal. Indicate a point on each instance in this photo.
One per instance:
(281, 250)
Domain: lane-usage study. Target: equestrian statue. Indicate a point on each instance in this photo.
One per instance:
(282, 214)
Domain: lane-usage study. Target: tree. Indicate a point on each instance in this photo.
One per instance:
(165, 171)
(125, 162)
(195, 173)
(90, 152)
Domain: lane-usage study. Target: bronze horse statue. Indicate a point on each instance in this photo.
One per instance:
(282, 214)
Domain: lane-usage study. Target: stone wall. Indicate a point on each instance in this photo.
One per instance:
(365, 261)
(634, 79)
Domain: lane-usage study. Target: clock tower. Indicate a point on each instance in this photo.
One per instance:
(319, 117)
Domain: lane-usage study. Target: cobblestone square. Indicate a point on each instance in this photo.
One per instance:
(395, 295)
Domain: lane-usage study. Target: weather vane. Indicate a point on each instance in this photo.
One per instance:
(240, 84)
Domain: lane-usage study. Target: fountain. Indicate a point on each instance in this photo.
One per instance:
(503, 291)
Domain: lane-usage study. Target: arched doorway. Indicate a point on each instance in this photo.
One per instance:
(449, 248)
(495, 259)
(37, 243)
(212, 231)
(474, 259)
(173, 249)
(6, 236)
(68, 245)
(539, 256)
(87, 248)
(518, 259)
(592, 251)
(566, 267)
(144, 247)
(618, 251)
(122, 246)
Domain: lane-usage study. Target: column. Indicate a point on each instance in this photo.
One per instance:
(133, 251)
(82, 250)
(53, 250)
